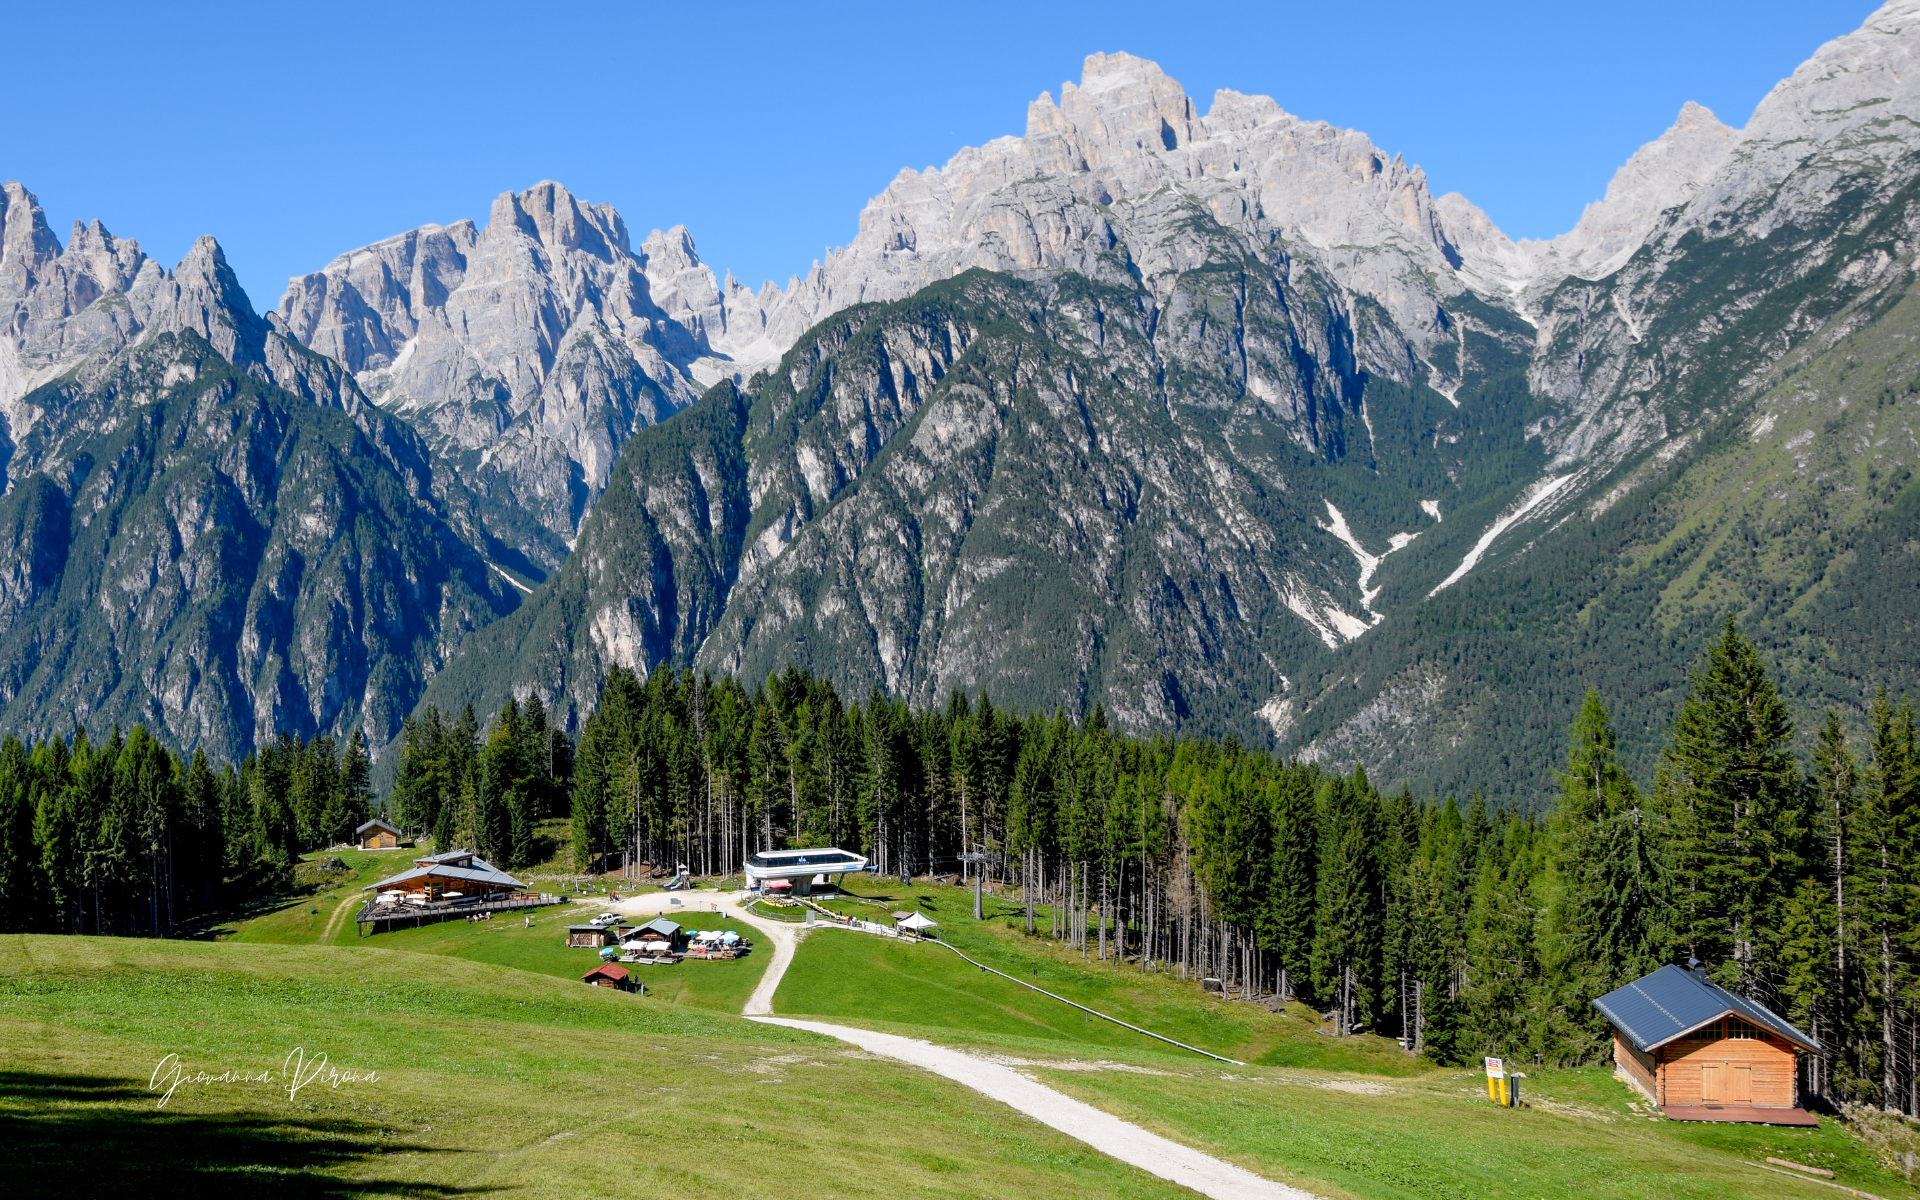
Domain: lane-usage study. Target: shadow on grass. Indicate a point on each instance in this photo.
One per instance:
(67, 1135)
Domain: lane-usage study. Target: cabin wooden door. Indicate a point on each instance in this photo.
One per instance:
(1739, 1084)
(1711, 1088)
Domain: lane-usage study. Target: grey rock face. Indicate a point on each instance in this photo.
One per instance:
(72, 309)
(527, 351)
(1106, 182)
(205, 527)
(1721, 411)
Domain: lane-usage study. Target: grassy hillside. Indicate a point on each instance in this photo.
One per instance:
(534, 941)
(870, 981)
(484, 1079)
(1344, 1117)
(1435, 1136)
(1350, 1116)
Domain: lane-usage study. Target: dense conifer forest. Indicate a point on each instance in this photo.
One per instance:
(1462, 928)
(127, 837)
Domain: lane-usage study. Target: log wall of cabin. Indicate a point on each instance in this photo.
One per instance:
(1771, 1063)
(1638, 1067)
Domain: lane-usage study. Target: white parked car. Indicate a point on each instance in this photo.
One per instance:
(605, 919)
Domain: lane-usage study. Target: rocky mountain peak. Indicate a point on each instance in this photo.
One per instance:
(549, 214)
(26, 243)
(1855, 101)
(538, 343)
(57, 310)
(1661, 176)
(1121, 165)
(1123, 107)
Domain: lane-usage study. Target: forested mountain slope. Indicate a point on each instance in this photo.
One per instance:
(206, 528)
(1218, 419)
(1052, 490)
(1732, 413)
(1188, 461)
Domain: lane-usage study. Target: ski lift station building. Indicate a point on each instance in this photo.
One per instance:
(802, 868)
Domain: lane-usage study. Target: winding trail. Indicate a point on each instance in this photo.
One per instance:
(347, 902)
(1105, 1132)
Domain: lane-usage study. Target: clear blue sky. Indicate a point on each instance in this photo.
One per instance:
(295, 132)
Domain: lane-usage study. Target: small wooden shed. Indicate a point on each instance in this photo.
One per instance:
(377, 835)
(589, 937)
(1701, 1053)
(611, 975)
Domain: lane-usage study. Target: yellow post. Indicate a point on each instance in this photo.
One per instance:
(1497, 1083)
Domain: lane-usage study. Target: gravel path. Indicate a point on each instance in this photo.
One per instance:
(1104, 1132)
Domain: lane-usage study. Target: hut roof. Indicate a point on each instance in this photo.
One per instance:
(377, 823)
(1673, 1002)
(613, 971)
(479, 871)
(661, 926)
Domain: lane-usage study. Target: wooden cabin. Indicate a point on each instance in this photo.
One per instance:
(611, 975)
(589, 937)
(662, 930)
(457, 874)
(377, 835)
(1701, 1053)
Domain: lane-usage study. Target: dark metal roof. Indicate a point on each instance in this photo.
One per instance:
(481, 871)
(386, 825)
(660, 925)
(1674, 1001)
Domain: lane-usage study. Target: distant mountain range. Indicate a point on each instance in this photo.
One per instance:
(1219, 420)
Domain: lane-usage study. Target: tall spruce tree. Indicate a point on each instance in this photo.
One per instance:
(1825, 990)
(1605, 922)
(1730, 791)
(1502, 956)
(1882, 889)
(1293, 887)
(1349, 916)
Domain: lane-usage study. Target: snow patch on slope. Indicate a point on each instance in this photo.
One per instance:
(1312, 605)
(1369, 563)
(1535, 495)
(1278, 713)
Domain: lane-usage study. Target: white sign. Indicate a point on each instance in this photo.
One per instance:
(1496, 1069)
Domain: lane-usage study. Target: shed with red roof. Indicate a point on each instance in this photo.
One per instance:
(611, 975)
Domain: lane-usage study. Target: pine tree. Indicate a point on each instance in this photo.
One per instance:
(356, 783)
(1349, 914)
(1502, 958)
(1604, 925)
(1881, 889)
(1730, 790)
(1825, 989)
(1292, 888)
(21, 899)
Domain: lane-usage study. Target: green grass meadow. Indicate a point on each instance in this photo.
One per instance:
(483, 1080)
(1341, 1117)
(496, 1071)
